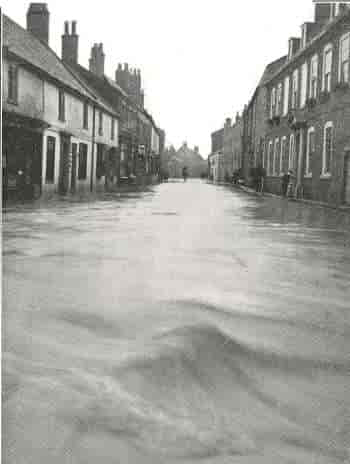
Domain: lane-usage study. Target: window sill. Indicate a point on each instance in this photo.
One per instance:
(327, 175)
(308, 176)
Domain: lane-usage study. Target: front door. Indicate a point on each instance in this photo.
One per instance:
(74, 166)
(347, 178)
(64, 164)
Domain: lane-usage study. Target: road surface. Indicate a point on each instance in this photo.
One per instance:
(188, 323)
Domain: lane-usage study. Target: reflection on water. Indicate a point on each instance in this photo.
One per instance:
(189, 322)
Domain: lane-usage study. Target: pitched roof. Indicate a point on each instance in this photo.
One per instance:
(95, 84)
(271, 69)
(30, 49)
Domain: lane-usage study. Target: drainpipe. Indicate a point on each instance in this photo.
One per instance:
(93, 149)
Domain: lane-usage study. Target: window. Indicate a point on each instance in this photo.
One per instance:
(273, 103)
(86, 115)
(100, 123)
(291, 152)
(50, 160)
(286, 96)
(276, 158)
(344, 57)
(283, 167)
(279, 99)
(327, 68)
(12, 84)
(303, 91)
(82, 168)
(61, 106)
(295, 89)
(270, 158)
(100, 162)
(310, 150)
(313, 77)
(112, 128)
(327, 148)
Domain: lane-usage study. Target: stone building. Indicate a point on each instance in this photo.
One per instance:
(308, 111)
(216, 164)
(176, 160)
(47, 115)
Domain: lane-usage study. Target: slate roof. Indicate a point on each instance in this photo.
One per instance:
(95, 84)
(26, 46)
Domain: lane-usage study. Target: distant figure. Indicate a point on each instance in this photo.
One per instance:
(285, 183)
(185, 173)
(260, 178)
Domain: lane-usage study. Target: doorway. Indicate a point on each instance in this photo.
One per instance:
(74, 167)
(347, 178)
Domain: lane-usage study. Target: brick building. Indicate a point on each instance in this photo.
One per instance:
(308, 110)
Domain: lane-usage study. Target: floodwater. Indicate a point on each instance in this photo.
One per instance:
(189, 323)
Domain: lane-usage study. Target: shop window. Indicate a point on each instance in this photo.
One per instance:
(50, 160)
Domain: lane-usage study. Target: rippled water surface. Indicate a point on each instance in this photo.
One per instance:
(187, 323)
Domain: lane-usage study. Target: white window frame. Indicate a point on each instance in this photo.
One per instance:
(308, 173)
(328, 48)
(295, 89)
(342, 39)
(314, 60)
(279, 101)
(274, 171)
(269, 167)
(303, 89)
(328, 125)
(286, 95)
(273, 102)
(291, 152)
(283, 149)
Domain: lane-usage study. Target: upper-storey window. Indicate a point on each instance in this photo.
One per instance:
(273, 103)
(85, 115)
(100, 123)
(313, 77)
(279, 99)
(303, 91)
(286, 96)
(344, 58)
(61, 105)
(327, 68)
(295, 89)
(12, 83)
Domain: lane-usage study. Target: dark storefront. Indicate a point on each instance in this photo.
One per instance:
(22, 157)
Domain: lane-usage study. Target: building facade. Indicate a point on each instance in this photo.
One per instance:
(308, 111)
(216, 162)
(44, 110)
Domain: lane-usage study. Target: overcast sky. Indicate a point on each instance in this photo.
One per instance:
(200, 60)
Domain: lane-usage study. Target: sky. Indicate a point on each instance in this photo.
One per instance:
(200, 60)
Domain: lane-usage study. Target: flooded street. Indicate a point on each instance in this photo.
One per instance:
(188, 323)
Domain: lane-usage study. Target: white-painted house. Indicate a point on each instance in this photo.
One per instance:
(49, 138)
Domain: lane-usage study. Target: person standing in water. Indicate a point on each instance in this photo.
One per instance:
(185, 173)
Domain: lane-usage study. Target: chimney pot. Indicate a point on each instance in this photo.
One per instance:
(74, 27)
(38, 21)
(66, 28)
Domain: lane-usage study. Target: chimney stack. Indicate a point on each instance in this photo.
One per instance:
(70, 43)
(97, 60)
(38, 21)
(322, 12)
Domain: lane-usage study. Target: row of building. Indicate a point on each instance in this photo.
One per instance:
(66, 128)
(298, 118)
